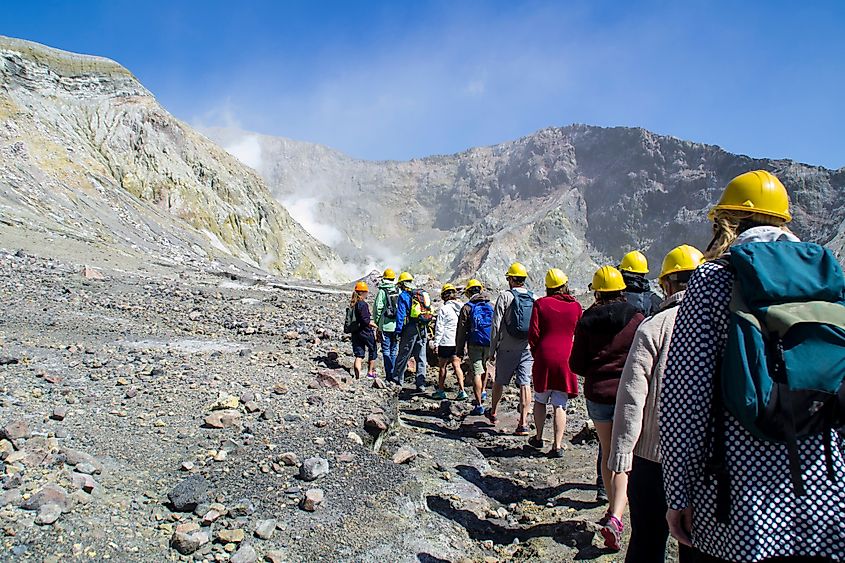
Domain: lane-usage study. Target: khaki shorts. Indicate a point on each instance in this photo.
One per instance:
(478, 356)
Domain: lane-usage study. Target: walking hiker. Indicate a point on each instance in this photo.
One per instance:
(550, 335)
(444, 341)
(360, 326)
(634, 267)
(634, 453)
(602, 340)
(473, 334)
(752, 465)
(384, 313)
(509, 344)
(413, 312)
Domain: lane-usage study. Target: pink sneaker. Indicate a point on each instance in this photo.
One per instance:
(612, 533)
(372, 375)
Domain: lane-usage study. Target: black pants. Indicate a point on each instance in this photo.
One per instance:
(702, 558)
(647, 504)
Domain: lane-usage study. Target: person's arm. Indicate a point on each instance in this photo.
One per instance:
(379, 306)
(534, 328)
(495, 329)
(630, 400)
(364, 315)
(402, 307)
(686, 393)
(461, 330)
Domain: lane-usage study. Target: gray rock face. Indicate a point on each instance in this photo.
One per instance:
(188, 493)
(87, 152)
(572, 197)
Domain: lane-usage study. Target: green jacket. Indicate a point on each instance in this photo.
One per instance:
(384, 324)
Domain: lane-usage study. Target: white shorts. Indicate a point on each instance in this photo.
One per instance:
(556, 398)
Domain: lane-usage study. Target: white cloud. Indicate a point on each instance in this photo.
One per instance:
(247, 149)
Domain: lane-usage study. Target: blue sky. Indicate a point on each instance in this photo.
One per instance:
(396, 80)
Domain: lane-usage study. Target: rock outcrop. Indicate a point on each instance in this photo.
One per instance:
(571, 197)
(87, 154)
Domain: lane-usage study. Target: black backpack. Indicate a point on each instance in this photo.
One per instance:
(351, 323)
(391, 303)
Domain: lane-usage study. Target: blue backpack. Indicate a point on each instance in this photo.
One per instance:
(518, 315)
(480, 323)
(783, 368)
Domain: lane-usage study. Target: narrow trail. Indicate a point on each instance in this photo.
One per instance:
(513, 502)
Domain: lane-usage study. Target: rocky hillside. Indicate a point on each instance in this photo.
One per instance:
(572, 197)
(87, 155)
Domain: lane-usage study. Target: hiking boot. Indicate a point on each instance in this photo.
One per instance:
(477, 411)
(612, 533)
(421, 389)
(461, 396)
(521, 431)
(556, 453)
(601, 496)
(535, 442)
(439, 394)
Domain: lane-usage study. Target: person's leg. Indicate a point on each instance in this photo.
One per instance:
(523, 379)
(420, 356)
(406, 345)
(618, 493)
(559, 425)
(506, 364)
(601, 493)
(459, 372)
(497, 396)
(441, 376)
(476, 358)
(539, 420)
(356, 367)
(647, 507)
(388, 353)
(604, 430)
(524, 402)
(394, 349)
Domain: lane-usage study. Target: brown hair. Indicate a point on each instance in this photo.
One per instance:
(728, 224)
(605, 297)
(356, 297)
(561, 290)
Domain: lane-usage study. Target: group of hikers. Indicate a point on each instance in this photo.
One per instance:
(716, 406)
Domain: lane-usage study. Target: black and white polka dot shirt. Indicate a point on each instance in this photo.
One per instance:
(767, 519)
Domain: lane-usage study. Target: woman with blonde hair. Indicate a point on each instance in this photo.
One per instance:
(730, 494)
(363, 337)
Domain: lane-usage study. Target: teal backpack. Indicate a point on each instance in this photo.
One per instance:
(783, 368)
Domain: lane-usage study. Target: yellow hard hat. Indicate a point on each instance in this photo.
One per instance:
(517, 270)
(634, 262)
(361, 286)
(389, 274)
(608, 278)
(473, 283)
(405, 277)
(758, 192)
(555, 278)
(681, 259)
(447, 287)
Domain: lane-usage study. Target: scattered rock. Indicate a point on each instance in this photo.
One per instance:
(225, 402)
(280, 389)
(246, 554)
(48, 494)
(379, 383)
(355, 438)
(75, 457)
(275, 556)
(375, 423)
(587, 434)
(328, 380)
(90, 273)
(84, 481)
(243, 507)
(187, 466)
(187, 543)
(59, 413)
(188, 493)
(313, 468)
(289, 458)
(313, 498)
(223, 419)
(87, 468)
(404, 455)
(8, 361)
(48, 513)
(231, 536)
(265, 529)
(15, 430)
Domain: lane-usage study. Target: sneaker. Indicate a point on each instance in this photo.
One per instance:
(484, 395)
(372, 375)
(491, 416)
(461, 396)
(521, 431)
(535, 442)
(440, 394)
(421, 389)
(556, 453)
(612, 533)
(477, 411)
(601, 496)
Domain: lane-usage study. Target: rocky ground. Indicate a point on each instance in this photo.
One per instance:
(179, 415)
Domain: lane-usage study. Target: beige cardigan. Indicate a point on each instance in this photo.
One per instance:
(635, 420)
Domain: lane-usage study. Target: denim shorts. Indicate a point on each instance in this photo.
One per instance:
(555, 398)
(599, 412)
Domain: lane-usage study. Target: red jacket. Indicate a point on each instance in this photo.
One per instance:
(602, 340)
(550, 334)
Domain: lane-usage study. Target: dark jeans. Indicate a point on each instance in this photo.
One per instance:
(599, 479)
(647, 504)
(411, 344)
(389, 349)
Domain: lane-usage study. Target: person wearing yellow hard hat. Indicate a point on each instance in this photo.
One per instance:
(384, 313)
(634, 267)
(553, 322)
(634, 455)
(731, 494)
(360, 325)
(602, 340)
(473, 336)
(411, 330)
(509, 344)
(444, 341)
